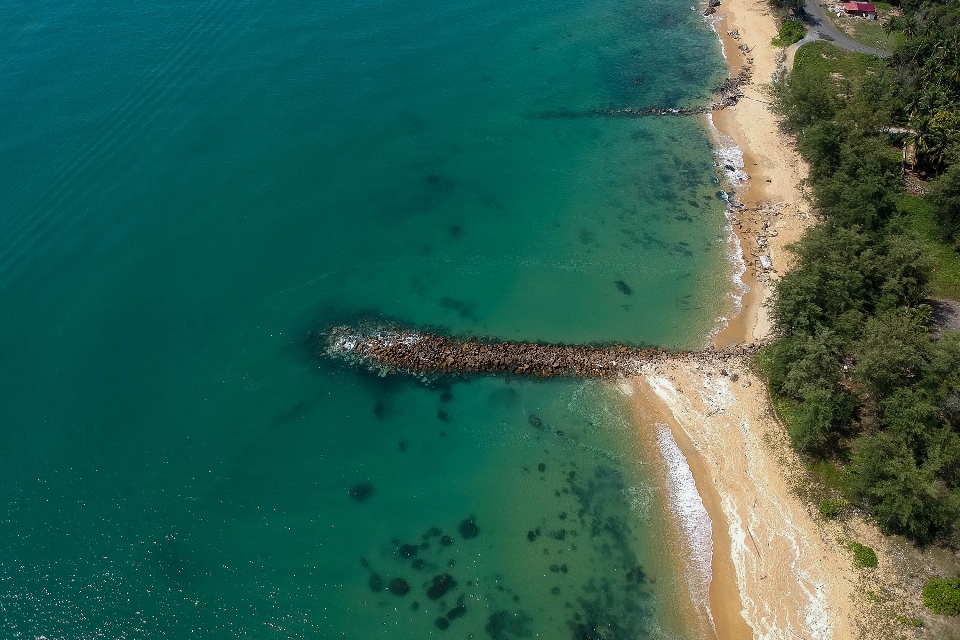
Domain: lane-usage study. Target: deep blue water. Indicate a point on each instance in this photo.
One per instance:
(190, 191)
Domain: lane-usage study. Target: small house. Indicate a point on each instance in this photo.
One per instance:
(860, 9)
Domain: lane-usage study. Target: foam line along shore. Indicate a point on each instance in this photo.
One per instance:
(773, 573)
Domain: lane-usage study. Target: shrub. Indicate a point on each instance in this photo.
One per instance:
(790, 32)
(831, 507)
(863, 556)
(942, 596)
(913, 622)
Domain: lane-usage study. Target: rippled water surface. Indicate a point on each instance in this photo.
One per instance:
(190, 190)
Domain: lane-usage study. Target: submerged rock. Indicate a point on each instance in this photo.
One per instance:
(446, 541)
(399, 587)
(504, 625)
(408, 550)
(361, 492)
(636, 574)
(375, 583)
(440, 586)
(469, 528)
(442, 623)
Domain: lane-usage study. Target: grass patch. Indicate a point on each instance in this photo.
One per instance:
(866, 32)
(826, 59)
(863, 556)
(943, 596)
(945, 281)
(830, 475)
(910, 622)
(832, 507)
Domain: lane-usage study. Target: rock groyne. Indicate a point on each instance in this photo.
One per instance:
(388, 349)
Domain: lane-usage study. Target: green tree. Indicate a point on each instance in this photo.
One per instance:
(904, 494)
(891, 351)
(945, 196)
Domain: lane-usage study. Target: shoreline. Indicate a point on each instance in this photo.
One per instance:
(773, 573)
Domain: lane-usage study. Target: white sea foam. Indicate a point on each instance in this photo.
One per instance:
(687, 506)
(768, 620)
(730, 160)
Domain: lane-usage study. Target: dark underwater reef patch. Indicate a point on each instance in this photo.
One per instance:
(597, 583)
(361, 492)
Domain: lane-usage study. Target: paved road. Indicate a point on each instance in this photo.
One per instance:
(824, 30)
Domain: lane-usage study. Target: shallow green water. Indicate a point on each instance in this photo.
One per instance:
(188, 188)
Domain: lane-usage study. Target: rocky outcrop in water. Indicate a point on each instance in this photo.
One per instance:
(405, 350)
(622, 112)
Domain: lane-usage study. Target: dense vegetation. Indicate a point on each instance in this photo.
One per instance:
(856, 371)
(790, 32)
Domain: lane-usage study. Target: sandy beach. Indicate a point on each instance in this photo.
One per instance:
(775, 573)
(779, 569)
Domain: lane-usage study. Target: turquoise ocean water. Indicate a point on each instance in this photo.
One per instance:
(190, 190)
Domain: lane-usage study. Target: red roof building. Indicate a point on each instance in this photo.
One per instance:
(864, 9)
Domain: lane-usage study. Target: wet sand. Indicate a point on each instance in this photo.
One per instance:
(775, 575)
